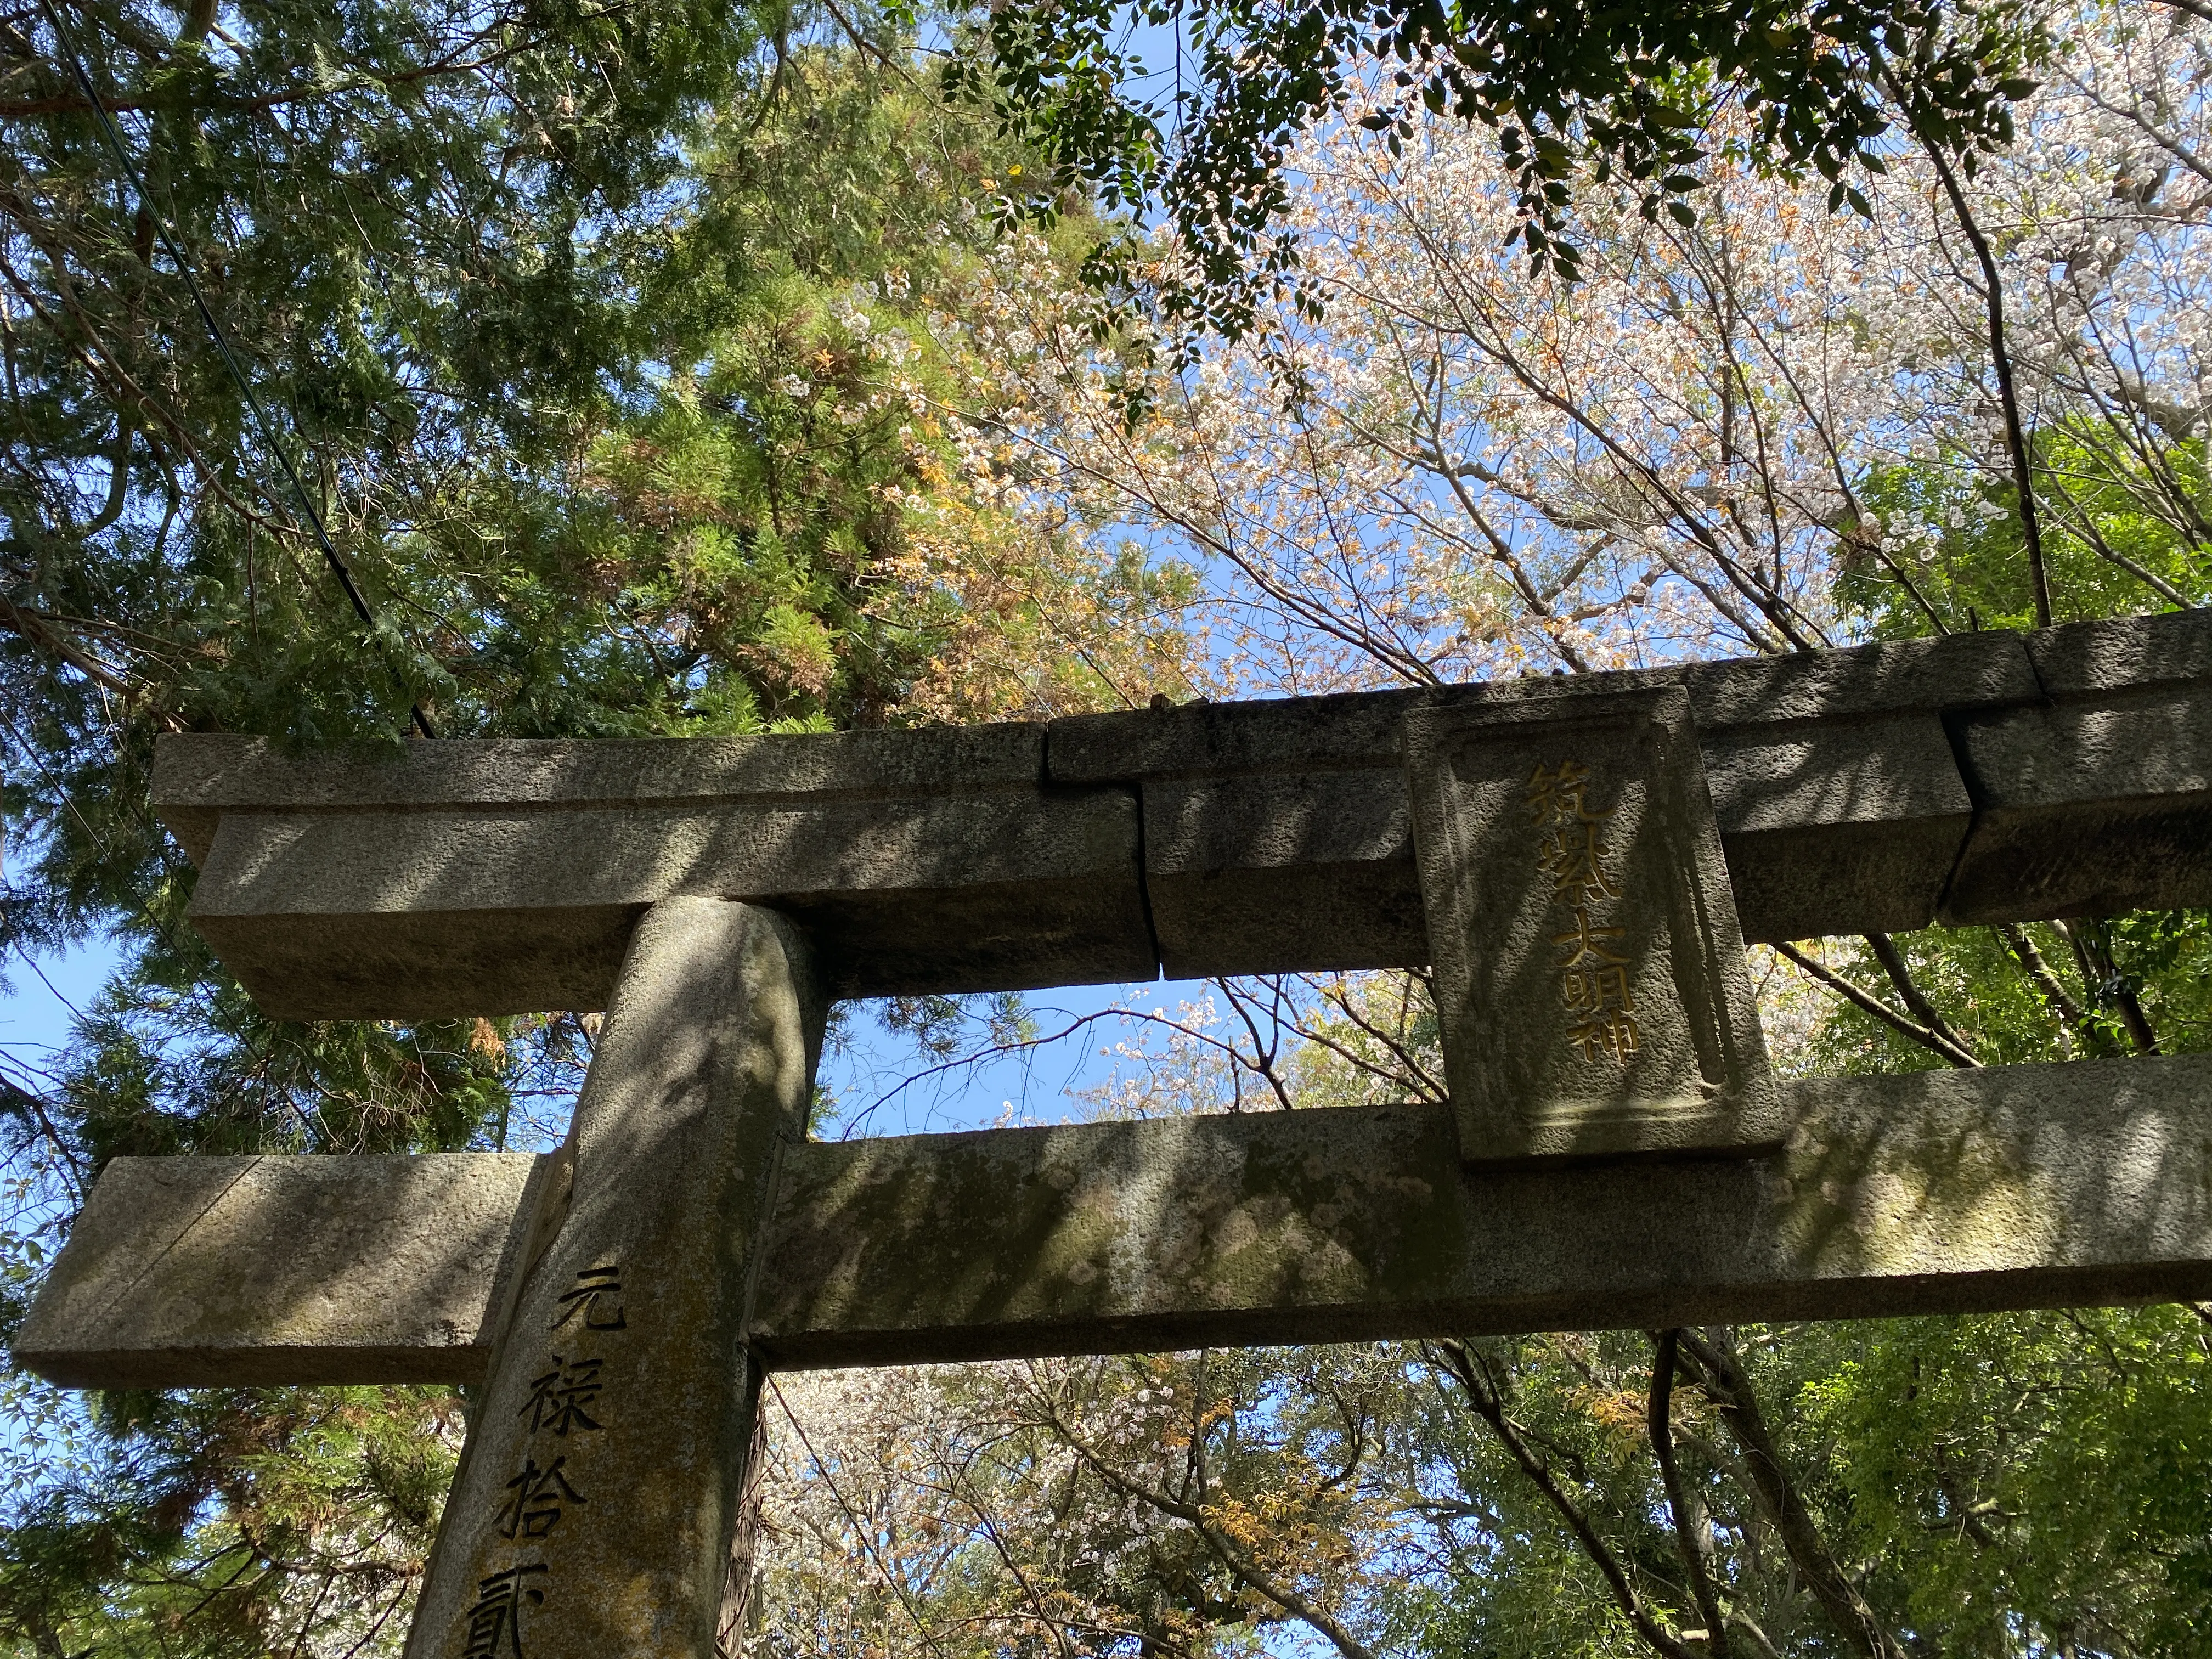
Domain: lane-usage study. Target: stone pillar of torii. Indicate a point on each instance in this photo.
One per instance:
(1579, 862)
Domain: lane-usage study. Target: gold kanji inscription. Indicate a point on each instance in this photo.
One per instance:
(1594, 973)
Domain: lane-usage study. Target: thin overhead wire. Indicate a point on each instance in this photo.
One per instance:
(67, 42)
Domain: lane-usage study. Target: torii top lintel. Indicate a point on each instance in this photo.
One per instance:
(1979, 777)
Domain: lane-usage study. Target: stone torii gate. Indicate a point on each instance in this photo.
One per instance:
(1580, 861)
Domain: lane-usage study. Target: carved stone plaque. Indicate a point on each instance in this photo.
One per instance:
(1590, 969)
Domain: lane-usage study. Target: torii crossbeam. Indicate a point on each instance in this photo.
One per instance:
(1580, 861)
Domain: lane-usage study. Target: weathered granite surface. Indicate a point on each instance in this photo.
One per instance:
(504, 876)
(1277, 835)
(2098, 799)
(1591, 981)
(596, 1498)
(1938, 1192)
(462, 878)
(1941, 1192)
(383, 1269)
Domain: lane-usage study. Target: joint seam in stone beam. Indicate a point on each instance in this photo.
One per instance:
(1136, 790)
(1144, 884)
(1978, 792)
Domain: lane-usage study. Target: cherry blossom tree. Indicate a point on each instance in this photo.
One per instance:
(1454, 470)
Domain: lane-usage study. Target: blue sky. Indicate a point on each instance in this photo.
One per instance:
(882, 1087)
(36, 1015)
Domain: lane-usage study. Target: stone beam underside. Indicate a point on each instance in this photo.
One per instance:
(1940, 1192)
(1984, 777)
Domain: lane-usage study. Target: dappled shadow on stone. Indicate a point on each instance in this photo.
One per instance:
(2014, 1187)
(204, 1271)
